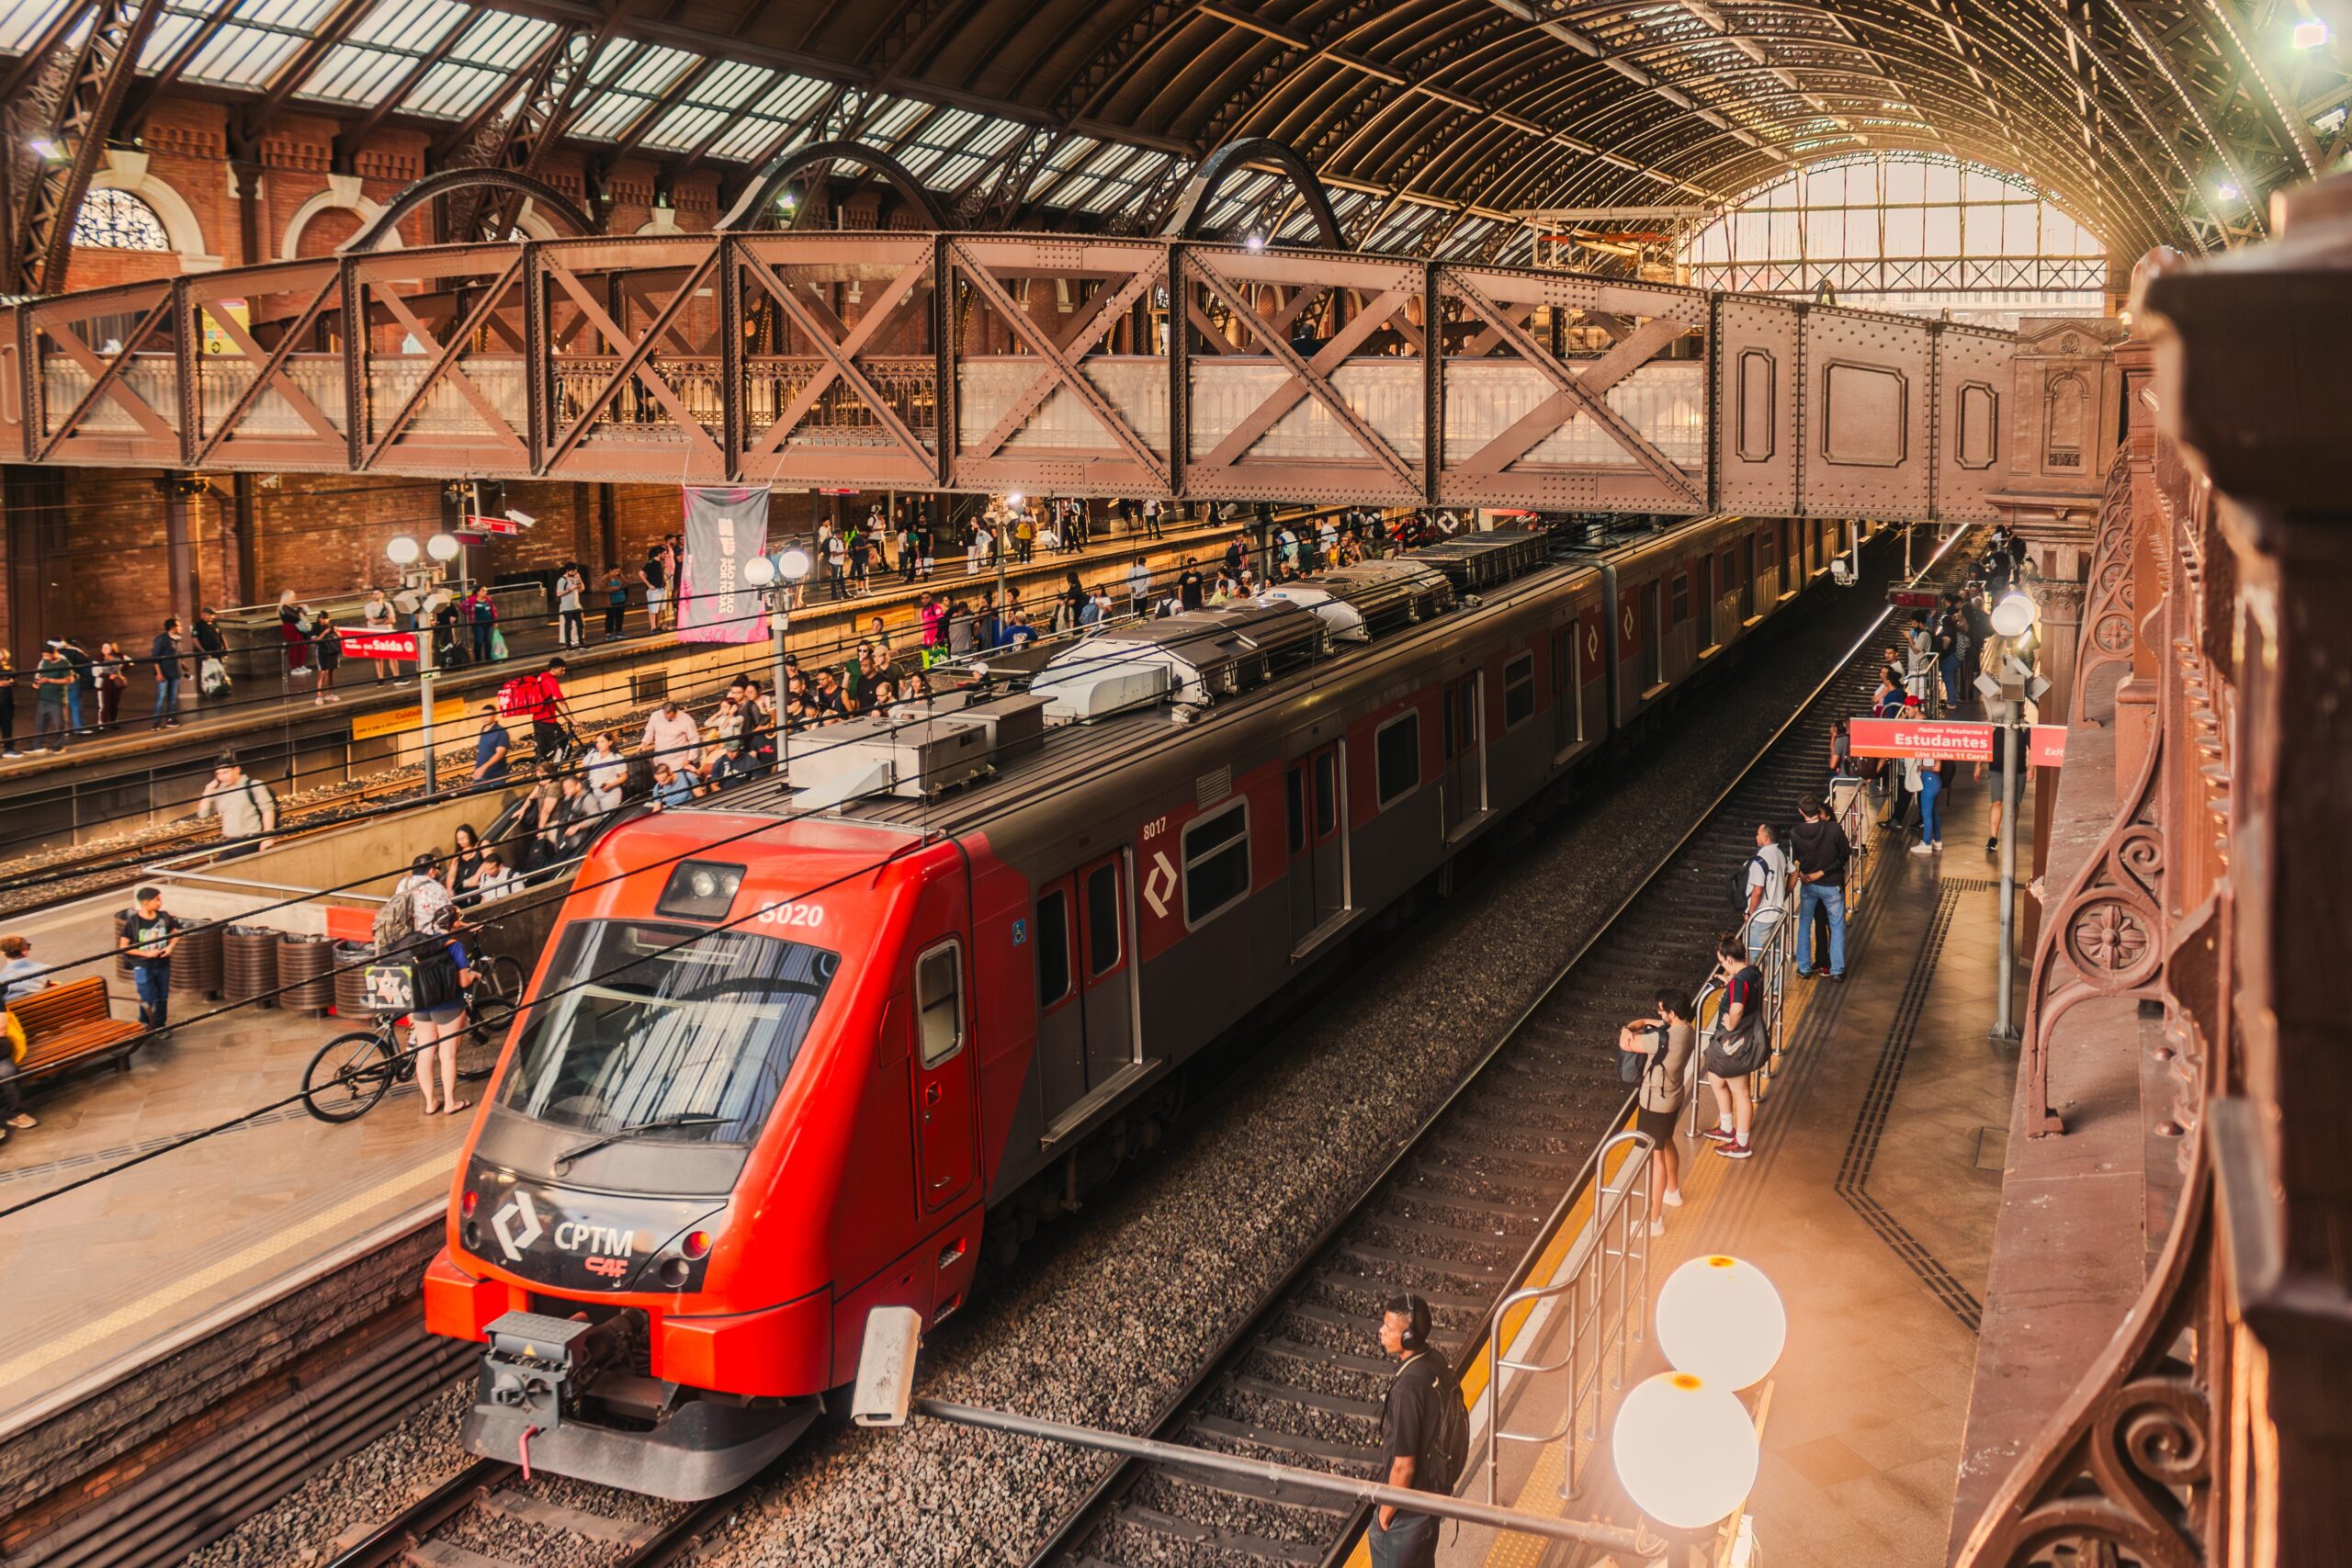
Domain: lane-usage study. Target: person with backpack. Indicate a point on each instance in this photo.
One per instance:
(1763, 890)
(1424, 1435)
(248, 812)
(539, 698)
(419, 920)
(145, 935)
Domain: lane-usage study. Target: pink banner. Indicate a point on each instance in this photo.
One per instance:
(726, 525)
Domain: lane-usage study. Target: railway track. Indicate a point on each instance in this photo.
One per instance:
(487, 1516)
(1459, 1214)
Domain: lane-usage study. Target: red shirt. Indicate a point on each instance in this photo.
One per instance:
(544, 697)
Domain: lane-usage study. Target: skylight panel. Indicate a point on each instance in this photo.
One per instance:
(21, 24)
(259, 37)
(893, 120)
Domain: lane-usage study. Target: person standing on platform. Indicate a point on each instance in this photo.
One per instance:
(484, 616)
(107, 672)
(8, 704)
(376, 620)
(81, 697)
(148, 936)
(550, 719)
(1998, 770)
(52, 697)
(655, 575)
(1664, 1041)
(616, 603)
(1139, 585)
(1766, 883)
(293, 632)
(1931, 775)
(326, 647)
(164, 653)
(1820, 846)
(492, 747)
(568, 586)
(248, 812)
(1741, 1045)
(212, 650)
(1409, 1419)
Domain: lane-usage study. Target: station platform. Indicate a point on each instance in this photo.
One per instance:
(1871, 1205)
(263, 708)
(111, 1271)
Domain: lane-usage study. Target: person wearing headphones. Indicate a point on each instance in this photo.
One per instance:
(1409, 1434)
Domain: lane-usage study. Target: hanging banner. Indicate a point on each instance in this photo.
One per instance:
(726, 525)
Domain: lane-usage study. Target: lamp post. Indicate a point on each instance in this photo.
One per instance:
(776, 575)
(403, 552)
(2013, 618)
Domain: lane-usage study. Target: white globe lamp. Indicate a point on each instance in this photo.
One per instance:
(2014, 615)
(794, 564)
(403, 550)
(442, 547)
(758, 572)
(1685, 1451)
(1720, 1318)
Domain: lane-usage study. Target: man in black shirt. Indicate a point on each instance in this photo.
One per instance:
(1408, 1419)
(1819, 844)
(146, 936)
(1188, 586)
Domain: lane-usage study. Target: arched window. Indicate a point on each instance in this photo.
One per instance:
(117, 221)
(1904, 231)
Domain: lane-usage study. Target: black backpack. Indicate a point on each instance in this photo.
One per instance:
(1740, 881)
(1448, 1442)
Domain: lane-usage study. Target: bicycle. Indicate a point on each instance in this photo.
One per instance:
(352, 1072)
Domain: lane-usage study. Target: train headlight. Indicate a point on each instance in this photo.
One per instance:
(697, 1245)
(701, 890)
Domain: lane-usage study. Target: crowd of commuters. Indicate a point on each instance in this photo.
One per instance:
(1794, 884)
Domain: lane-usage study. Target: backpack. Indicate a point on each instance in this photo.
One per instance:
(395, 923)
(1449, 1440)
(519, 697)
(1740, 881)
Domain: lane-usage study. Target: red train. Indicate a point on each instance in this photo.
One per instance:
(804, 1052)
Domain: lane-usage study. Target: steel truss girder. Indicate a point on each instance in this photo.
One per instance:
(74, 135)
(986, 362)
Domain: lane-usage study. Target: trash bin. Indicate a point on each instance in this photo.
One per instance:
(249, 965)
(306, 973)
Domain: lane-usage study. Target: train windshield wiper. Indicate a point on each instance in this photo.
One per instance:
(621, 1134)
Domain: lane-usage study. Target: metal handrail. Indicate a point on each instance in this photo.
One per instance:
(1576, 1282)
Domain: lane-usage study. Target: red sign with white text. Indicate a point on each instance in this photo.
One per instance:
(480, 524)
(380, 645)
(1955, 740)
(1912, 598)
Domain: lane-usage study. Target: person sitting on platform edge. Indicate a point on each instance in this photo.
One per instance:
(1412, 1417)
(148, 936)
(248, 812)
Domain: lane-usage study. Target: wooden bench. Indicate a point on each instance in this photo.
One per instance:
(65, 1024)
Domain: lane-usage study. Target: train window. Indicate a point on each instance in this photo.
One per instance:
(1518, 691)
(1294, 804)
(1216, 863)
(1396, 756)
(1327, 793)
(939, 1002)
(1678, 607)
(1053, 948)
(1102, 922)
(1730, 578)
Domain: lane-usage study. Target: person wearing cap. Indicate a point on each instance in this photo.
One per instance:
(146, 936)
(52, 697)
(492, 747)
(248, 812)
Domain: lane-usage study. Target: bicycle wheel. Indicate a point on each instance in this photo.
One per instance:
(347, 1077)
(496, 995)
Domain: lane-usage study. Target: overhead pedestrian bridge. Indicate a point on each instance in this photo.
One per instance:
(1017, 362)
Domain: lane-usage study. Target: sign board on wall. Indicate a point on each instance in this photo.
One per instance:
(1954, 740)
(380, 645)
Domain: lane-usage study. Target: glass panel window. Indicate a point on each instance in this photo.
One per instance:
(1216, 863)
(1053, 948)
(939, 1002)
(117, 221)
(1102, 922)
(1518, 690)
(1396, 756)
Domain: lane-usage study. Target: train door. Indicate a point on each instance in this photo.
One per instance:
(1568, 689)
(1465, 751)
(942, 1079)
(1107, 975)
(1318, 843)
(1061, 1018)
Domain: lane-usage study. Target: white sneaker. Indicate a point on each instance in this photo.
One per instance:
(1922, 849)
(1674, 1200)
(1657, 1227)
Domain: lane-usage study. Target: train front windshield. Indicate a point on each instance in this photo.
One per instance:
(657, 1054)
